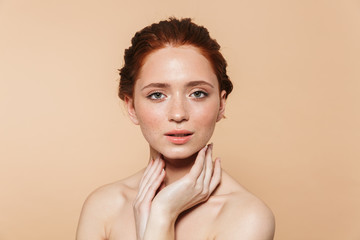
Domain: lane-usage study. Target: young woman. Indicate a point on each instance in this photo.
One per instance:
(175, 86)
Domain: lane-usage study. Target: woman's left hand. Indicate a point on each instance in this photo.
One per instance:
(192, 189)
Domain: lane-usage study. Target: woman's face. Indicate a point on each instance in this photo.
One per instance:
(176, 101)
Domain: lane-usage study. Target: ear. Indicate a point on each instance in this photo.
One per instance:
(129, 102)
(222, 106)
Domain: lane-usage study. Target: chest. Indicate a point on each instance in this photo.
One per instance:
(199, 223)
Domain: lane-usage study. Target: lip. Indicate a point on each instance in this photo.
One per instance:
(179, 136)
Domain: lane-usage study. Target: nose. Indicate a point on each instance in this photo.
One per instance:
(178, 110)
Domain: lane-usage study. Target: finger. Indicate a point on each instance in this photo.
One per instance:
(151, 162)
(152, 180)
(147, 176)
(157, 171)
(216, 177)
(201, 178)
(151, 191)
(199, 163)
(209, 166)
(151, 175)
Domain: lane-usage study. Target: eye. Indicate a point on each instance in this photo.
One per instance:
(156, 96)
(199, 94)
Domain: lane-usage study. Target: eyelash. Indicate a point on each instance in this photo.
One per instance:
(205, 94)
(151, 95)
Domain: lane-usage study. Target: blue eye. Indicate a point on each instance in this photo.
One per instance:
(199, 94)
(156, 96)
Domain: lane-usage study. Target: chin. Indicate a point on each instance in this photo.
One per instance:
(175, 156)
(180, 152)
(172, 151)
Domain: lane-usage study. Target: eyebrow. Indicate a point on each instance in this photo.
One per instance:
(189, 84)
(156, 85)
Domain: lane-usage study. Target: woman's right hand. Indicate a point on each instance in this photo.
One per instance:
(150, 182)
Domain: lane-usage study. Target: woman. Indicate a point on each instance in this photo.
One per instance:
(175, 86)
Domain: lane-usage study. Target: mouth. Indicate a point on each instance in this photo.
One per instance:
(179, 136)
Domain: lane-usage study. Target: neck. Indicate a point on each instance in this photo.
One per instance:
(175, 168)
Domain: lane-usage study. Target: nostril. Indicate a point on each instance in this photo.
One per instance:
(178, 111)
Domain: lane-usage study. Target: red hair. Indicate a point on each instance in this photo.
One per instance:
(172, 32)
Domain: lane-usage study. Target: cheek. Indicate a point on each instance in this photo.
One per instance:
(206, 115)
(149, 119)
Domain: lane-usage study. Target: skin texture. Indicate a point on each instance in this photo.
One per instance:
(182, 193)
(178, 68)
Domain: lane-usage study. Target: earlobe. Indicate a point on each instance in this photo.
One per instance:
(129, 102)
(222, 106)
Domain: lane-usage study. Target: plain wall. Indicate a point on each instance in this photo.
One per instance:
(291, 135)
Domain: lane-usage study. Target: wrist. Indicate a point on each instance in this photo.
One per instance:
(163, 214)
(160, 225)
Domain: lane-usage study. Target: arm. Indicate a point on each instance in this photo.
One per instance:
(91, 222)
(160, 226)
(99, 211)
(250, 220)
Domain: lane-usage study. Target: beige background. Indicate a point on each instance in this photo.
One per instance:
(292, 131)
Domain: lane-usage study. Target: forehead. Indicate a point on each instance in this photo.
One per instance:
(176, 65)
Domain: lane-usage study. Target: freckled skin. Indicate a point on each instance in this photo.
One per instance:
(177, 89)
(178, 109)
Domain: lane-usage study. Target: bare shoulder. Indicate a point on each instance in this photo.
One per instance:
(102, 206)
(244, 216)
